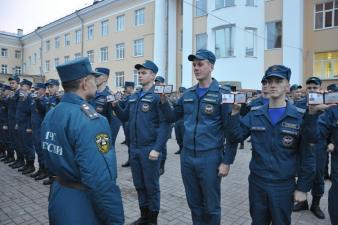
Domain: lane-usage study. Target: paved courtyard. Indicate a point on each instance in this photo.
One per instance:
(24, 201)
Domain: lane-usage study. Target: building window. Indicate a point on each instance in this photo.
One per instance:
(46, 66)
(138, 47)
(104, 54)
(120, 51)
(201, 41)
(18, 70)
(24, 68)
(120, 23)
(56, 62)
(251, 3)
(90, 55)
(326, 65)
(35, 56)
(4, 52)
(78, 35)
(119, 79)
(47, 45)
(224, 41)
(224, 3)
(90, 32)
(326, 15)
(104, 28)
(139, 17)
(77, 55)
(29, 60)
(66, 58)
(250, 41)
(136, 78)
(57, 42)
(201, 8)
(274, 34)
(181, 40)
(4, 69)
(18, 54)
(67, 39)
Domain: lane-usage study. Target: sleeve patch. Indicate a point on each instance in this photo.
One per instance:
(102, 143)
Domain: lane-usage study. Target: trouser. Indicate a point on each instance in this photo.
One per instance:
(14, 142)
(326, 170)
(333, 209)
(146, 177)
(38, 146)
(179, 131)
(26, 143)
(318, 182)
(270, 202)
(202, 185)
(115, 124)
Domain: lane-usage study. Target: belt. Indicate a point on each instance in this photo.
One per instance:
(70, 184)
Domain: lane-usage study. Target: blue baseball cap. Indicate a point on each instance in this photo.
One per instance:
(332, 87)
(15, 77)
(314, 80)
(147, 65)
(129, 84)
(159, 79)
(279, 71)
(40, 86)
(203, 54)
(26, 82)
(102, 70)
(52, 82)
(76, 69)
(295, 87)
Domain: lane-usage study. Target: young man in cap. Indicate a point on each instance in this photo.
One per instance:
(148, 134)
(38, 112)
(313, 84)
(5, 91)
(24, 127)
(128, 91)
(276, 131)
(296, 92)
(77, 143)
(205, 125)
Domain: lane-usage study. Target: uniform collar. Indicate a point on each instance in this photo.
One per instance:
(151, 90)
(71, 97)
(105, 91)
(214, 86)
(290, 111)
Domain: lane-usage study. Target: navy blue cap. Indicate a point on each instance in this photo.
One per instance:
(40, 85)
(203, 54)
(314, 80)
(129, 84)
(15, 77)
(26, 82)
(52, 82)
(76, 69)
(279, 71)
(182, 89)
(102, 70)
(263, 79)
(6, 87)
(147, 65)
(159, 79)
(332, 87)
(295, 87)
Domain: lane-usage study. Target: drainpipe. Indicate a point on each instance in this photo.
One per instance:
(20, 34)
(82, 30)
(41, 56)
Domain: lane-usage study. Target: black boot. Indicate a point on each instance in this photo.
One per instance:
(316, 209)
(241, 146)
(162, 167)
(30, 168)
(37, 173)
(126, 164)
(9, 160)
(20, 164)
(152, 218)
(14, 163)
(48, 181)
(178, 151)
(42, 175)
(143, 220)
(2, 154)
(301, 206)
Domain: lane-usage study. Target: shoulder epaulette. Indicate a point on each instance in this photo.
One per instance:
(301, 110)
(253, 108)
(91, 113)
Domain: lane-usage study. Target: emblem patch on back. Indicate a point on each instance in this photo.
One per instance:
(102, 142)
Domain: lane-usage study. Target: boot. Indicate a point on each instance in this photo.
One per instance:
(2, 155)
(3, 159)
(13, 163)
(126, 164)
(30, 168)
(9, 160)
(152, 217)
(241, 146)
(301, 206)
(162, 167)
(316, 209)
(48, 181)
(37, 173)
(20, 164)
(143, 220)
(23, 168)
(42, 175)
(178, 151)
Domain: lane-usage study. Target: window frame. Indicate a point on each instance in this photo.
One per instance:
(90, 35)
(136, 45)
(120, 49)
(119, 79)
(231, 50)
(120, 24)
(137, 21)
(267, 38)
(104, 28)
(4, 52)
(104, 54)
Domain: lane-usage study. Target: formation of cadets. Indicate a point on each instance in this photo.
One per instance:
(73, 134)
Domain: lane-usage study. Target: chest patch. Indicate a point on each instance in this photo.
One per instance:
(102, 142)
(288, 141)
(209, 109)
(145, 107)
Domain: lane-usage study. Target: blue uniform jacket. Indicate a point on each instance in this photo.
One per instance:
(38, 111)
(148, 126)
(205, 118)
(275, 147)
(52, 102)
(100, 103)
(12, 104)
(23, 113)
(77, 145)
(3, 111)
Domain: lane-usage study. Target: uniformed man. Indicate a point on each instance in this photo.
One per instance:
(24, 127)
(3, 122)
(296, 92)
(77, 143)
(4, 119)
(38, 112)
(313, 84)
(129, 90)
(275, 130)
(179, 126)
(148, 135)
(205, 125)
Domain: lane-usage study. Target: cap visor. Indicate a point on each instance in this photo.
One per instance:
(96, 74)
(193, 57)
(274, 75)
